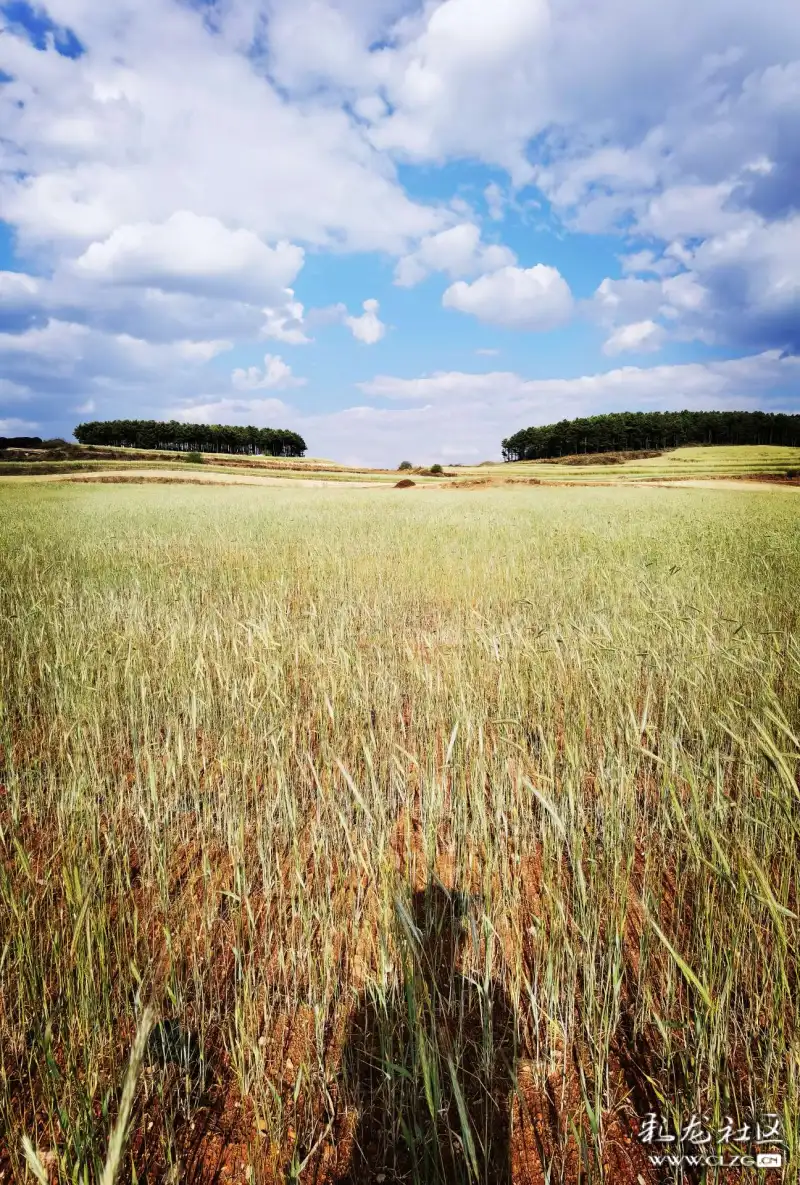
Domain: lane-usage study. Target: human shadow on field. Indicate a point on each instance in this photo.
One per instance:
(429, 1065)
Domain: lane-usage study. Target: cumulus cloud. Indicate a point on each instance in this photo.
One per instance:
(167, 111)
(646, 261)
(165, 186)
(276, 373)
(460, 81)
(61, 361)
(146, 312)
(690, 211)
(196, 254)
(535, 298)
(641, 337)
(740, 286)
(457, 251)
(286, 323)
(56, 341)
(368, 328)
(626, 300)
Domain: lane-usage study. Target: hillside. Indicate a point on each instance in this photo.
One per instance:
(772, 463)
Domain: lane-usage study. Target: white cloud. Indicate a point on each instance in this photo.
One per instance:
(61, 361)
(14, 427)
(285, 324)
(458, 251)
(730, 379)
(276, 373)
(16, 288)
(739, 286)
(641, 337)
(626, 300)
(691, 211)
(495, 201)
(766, 257)
(150, 312)
(683, 294)
(162, 114)
(462, 81)
(196, 254)
(646, 261)
(58, 341)
(454, 415)
(610, 169)
(535, 298)
(452, 385)
(194, 152)
(260, 413)
(368, 328)
(13, 391)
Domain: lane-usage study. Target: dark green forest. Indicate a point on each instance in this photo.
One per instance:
(192, 438)
(22, 442)
(628, 430)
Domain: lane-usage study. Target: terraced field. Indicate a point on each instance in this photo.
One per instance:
(92, 461)
(694, 463)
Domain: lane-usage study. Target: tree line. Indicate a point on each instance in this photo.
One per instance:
(192, 438)
(629, 430)
(23, 442)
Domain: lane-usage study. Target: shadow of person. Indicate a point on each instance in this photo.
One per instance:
(429, 1063)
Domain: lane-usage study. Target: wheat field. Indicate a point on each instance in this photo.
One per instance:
(446, 836)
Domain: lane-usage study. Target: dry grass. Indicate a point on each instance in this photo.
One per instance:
(448, 834)
(694, 462)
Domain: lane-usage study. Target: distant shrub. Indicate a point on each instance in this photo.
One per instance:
(436, 469)
(195, 458)
(793, 473)
(405, 465)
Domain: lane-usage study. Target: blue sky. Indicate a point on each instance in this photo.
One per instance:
(404, 229)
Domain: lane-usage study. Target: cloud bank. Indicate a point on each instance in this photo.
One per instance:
(183, 182)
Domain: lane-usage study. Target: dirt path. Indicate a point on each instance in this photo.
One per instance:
(167, 476)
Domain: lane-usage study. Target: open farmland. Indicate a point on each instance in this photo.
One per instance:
(691, 462)
(448, 836)
(768, 462)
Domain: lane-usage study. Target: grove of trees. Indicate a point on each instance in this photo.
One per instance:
(192, 438)
(628, 430)
(22, 442)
